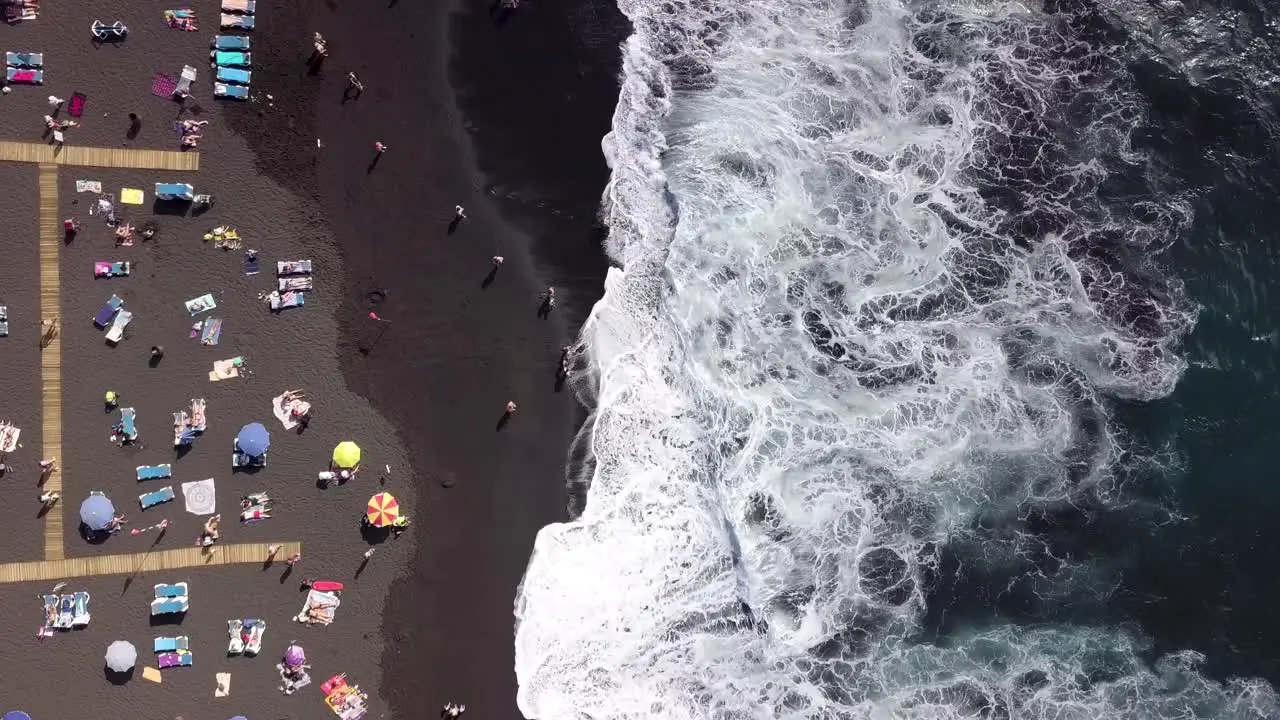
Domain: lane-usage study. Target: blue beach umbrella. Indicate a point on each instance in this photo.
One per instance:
(16, 715)
(97, 512)
(253, 439)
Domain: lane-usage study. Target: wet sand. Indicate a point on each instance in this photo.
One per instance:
(436, 379)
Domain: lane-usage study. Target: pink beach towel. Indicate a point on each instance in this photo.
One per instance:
(163, 86)
(75, 108)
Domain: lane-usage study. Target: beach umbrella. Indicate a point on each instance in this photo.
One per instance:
(121, 655)
(383, 510)
(346, 455)
(253, 439)
(97, 512)
(16, 715)
(294, 656)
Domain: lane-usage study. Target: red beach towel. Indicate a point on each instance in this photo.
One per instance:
(163, 86)
(76, 107)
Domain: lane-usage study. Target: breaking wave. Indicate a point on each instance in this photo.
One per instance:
(884, 269)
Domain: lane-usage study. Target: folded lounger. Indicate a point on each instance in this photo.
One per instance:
(20, 59)
(28, 77)
(174, 590)
(201, 304)
(232, 75)
(187, 77)
(231, 42)
(211, 332)
(116, 333)
(171, 644)
(179, 658)
(237, 22)
(293, 267)
(235, 92)
(230, 58)
(108, 311)
(111, 269)
(295, 283)
(154, 472)
(155, 497)
(4, 321)
(240, 6)
(174, 191)
(80, 601)
(127, 426)
(280, 301)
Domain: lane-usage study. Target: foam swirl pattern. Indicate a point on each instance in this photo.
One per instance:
(883, 266)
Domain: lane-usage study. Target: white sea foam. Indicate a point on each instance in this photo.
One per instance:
(871, 307)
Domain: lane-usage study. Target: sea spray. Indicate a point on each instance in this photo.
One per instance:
(883, 269)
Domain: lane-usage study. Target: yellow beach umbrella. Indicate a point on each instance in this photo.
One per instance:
(383, 510)
(346, 455)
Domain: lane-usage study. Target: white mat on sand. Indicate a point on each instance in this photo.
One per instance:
(200, 496)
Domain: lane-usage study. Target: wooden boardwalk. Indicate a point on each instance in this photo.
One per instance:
(98, 157)
(51, 354)
(180, 559)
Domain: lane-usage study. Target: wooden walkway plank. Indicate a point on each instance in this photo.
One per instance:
(98, 157)
(155, 561)
(51, 354)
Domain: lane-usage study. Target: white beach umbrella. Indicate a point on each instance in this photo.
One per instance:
(121, 655)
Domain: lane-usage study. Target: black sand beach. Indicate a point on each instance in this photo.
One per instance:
(439, 370)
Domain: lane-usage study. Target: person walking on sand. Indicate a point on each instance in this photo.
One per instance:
(369, 553)
(56, 101)
(293, 559)
(354, 84)
(497, 261)
(48, 465)
(511, 408)
(379, 148)
(459, 213)
(48, 497)
(271, 552)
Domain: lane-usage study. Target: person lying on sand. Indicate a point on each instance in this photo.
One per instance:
(189, 126)
(191, 140)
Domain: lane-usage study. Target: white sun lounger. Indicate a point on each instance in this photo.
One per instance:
(235, 646)
(293, 267)
(116, 333)
(240, 6)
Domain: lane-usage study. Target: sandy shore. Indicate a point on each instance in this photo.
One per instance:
(451, 356)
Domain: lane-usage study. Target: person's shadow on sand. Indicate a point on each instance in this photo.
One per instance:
(488, 279)
(453, 224)
(502, 421)
(373, 163)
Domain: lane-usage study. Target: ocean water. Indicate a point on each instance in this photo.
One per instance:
(936, 377)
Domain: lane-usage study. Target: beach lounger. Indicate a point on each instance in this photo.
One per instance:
(154, 472)
(293, 267)
(187, 77)
(303, 282)
(66, 612)
(108, 311)
(319, 607)
(182, 434)
(18, 13)
(198, 421)
(116, 333)
(25, 60)
(170, 606)
(171, 590)
(174, 191)
(231, 42)
(111, 269)
(235, 631)
(279, 301)
(156, 497)
(80, 602)
(179, 658)
(9, 437)
(171, 644)
(235, 92)
(211, 331)
(50, 610)
(232, 75)
(256, 629)
(4, 321)
(237, 22)
(105, 33)
(201, 304)
(26, 77)
(239, 459)
(239, 6)
(231, 59)
(127, 426)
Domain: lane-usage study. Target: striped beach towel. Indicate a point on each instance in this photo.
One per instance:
(163, 86)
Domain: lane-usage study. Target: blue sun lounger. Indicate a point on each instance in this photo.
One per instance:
(154, 472)
(225, 58)
(172, 644)
(236, 22)
(167, 606)
(231, 42)
(108, 311)
(25, 76)
(232, 75)
(30, 60)
(171, 590)
(127, 427)
(80, 613)
(155, 497)
(240, 6)
(235, 92)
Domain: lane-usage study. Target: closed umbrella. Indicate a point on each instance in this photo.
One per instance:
(121, 655)
(97, 512)
(346, 455)
(294, 656)
(253, 439)
(383, 510)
